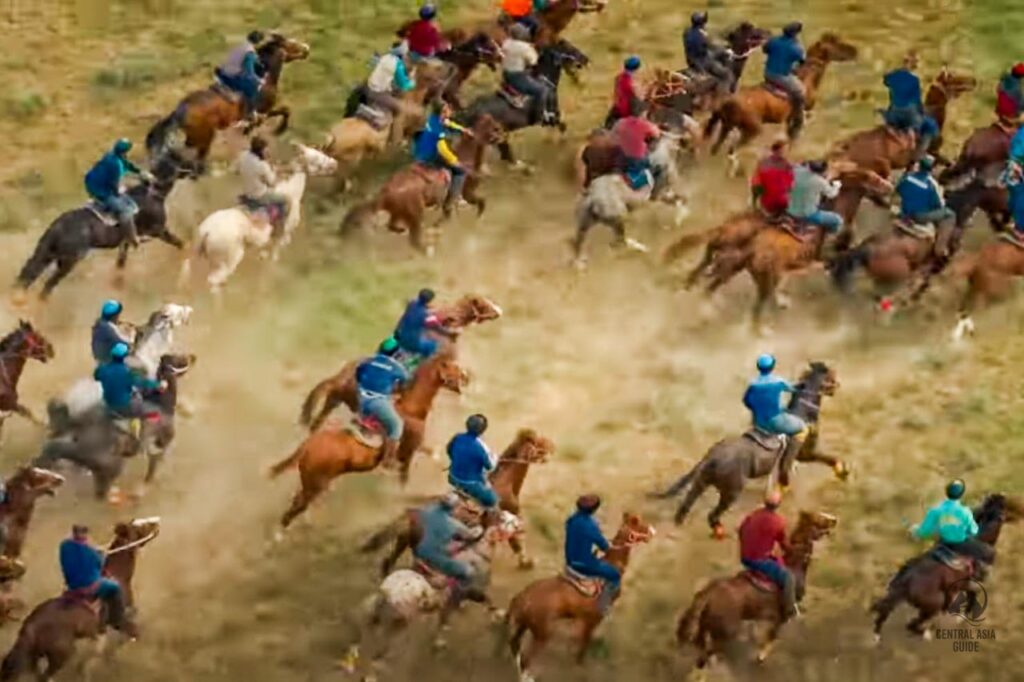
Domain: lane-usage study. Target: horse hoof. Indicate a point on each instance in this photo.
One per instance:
(877, 638)
(440, 644)
(842, 471)
(927, 635)
(115, 496)
(718, 531)
(526, 564)
(498, 616)
(579, 264)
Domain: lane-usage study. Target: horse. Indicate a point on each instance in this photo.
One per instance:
(74, 233)
(883, 149)
(410, 191)
(507, 481)
(24, 488)
(222, 236)
(929, 583)
(716, 616)
(49, 633)
(328, 453)
(750, 108)
(202, 113)
(888, 259)
(990, 273)
(985, 153)
(554, 59)
(91, 440)
(17, 348)
(541, 604)
(340, 388)
(466, 51)
(730, 462)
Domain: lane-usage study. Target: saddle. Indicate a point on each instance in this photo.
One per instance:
(585, 585)
(272, 212)
(367, 430)
(379, 119)
(958, 562)
(218, 86)
(105, 216)
(915, 230)
(434, 577)
(760, 581)
(432, 174)
(85, 597)
(775, 90)
(772, 442)
(1012, 239)
(791, 227)
(515, 98)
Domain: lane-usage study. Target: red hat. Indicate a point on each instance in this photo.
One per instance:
(1018, 70)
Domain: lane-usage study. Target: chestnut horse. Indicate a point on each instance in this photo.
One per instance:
(507, 481)
(889, 260)
(326, 454)
(930, 585)
(341, 387)
(750, 108)
(984, 153)
(883, 149)
(716, 616)
(990, 274)
(24, 488)
(52, 628)
(21, 345)
(409, 192)
(541, 604)
(202, 113)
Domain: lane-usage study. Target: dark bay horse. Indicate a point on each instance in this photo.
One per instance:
(930, 585)
(17, 348)
(51, 630)
(554, 59)
(731, 462)
(24, 488)
(984, 153)
(202, 113)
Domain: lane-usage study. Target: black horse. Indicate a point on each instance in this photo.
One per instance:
(554, 59)
(73, 234)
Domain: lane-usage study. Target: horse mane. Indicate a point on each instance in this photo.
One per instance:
(8, 341)
(990, 508)
(801, 542)
(512, 450)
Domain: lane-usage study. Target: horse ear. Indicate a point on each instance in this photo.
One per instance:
(121, 530)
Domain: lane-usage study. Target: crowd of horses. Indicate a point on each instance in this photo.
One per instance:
(179, 146)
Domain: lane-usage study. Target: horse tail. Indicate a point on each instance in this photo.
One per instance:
(156, 138)
(382, 536)
(41, 257)
(689, 622)
(286, 463)
(515, 626)
(844, 265)
(684, 482)
(315, 398)
(19, 659)
(684, 244)
(358, 216)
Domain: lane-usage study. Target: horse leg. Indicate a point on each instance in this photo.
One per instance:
(767, 283)
(505, 150)
(882, 609)
(65, 264)
(770, 639)
(726, 498)
(222, 272)
(697, 489)
(518, 544)
(701, 267)
(169, 237)
(918, 625)
(309, 490)
(23, 411)
(539, 635)
(586, 635)
(284, 113)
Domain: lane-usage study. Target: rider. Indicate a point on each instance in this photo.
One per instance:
(582, 534)
(810, 185)
(1013, 178)
(921, 201)
(1010, 95)
(518, 57)
(103, 183)
(105, 332)
(471, 460)
(411, 332)
(431, 148)
(954, 525)
(702, 55)
(241, 72)
(376, 380)
(633, 134)
(424, 36)
(258, 180)
(906, 110)
(390, 76)
(785, 52)
(627, 97)
(759, 534)
(121, 385)
(440, 528)
(82, 566)
(772, 182)
(764, 400)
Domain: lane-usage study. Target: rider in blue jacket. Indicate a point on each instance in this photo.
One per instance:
(703, 56)
(906, 109)
(82, 566)
(764, 400)
(440, 529)
(103, 184)
(431, 148)
(784, 53)
(105, 332)
(582, 535)
(471, 461)
(921, 201)
(376, 381)
(411, 332)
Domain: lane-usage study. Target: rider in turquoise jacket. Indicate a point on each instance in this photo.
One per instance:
(954, 525)
(103, 184)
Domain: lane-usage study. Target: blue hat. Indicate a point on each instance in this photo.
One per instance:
(765, 363)
(632, 63)
(111, 309)
(119, 351)
(956, 489)
(428, 12)
(122, 146)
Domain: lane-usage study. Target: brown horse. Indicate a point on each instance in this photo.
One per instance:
(24, 488)
(406, 196)
(328, 453)
(507, 480)
(890, 260)
(930, 585)
(202, 113)
(984, 153)
(750, 108)
(341, 388)
(21, 345)
(883, 149)
(541, 604)
(467, 50)
(53, 627)
(716, 616)
(990, 273)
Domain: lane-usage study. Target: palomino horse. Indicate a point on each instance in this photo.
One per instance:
(990, 274)
(541, 604)
(328, 453)
(930, 584)
(883, 149)
(51, 630)
(731, 462)
(750, 108)
(17, 348)
(407, 194)
(341, 387)
(507, 481)
(222, 236)
(202, 113)
(24, 488)
(716, 616)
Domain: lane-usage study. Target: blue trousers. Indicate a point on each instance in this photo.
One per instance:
(784, 423)
(384, 410)
(828, 220)
(773, 569)
(1017, 205)
(249, 88)
(438, 558)
(421, 345)
(912, 118)
(938, 216)
(108, 589)
(120, 205)
(599, 569)
(478, 490)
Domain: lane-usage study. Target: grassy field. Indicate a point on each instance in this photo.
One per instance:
(631, 377)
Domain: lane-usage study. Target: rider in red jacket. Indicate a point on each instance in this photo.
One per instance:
(424, 36)
(773, 180)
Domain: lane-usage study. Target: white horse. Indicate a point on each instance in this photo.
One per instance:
(224, 234)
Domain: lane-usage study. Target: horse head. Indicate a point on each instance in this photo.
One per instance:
(745, 38)
(471, 309)
(814, 525)
(33, 482)
(314, 161)
(874, 186)
(529, 447)
(954, 84)
(488, 130)
(633, 531)
(173, 366)
(281, 47)
(170, 316)
(450, 375)
(28, 342)
(481, 48)
(831, 48)
(823, 375)
(566, 56)
(132, 535)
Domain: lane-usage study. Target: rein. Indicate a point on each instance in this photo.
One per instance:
(132, 545)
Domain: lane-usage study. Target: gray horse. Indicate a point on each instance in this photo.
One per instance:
(730, 462)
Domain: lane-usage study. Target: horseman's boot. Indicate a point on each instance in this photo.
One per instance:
(117, 615)
(787, 600)
(923, 143)
(389, 459)
(131, 233)
(454, 192)
(606, 598)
